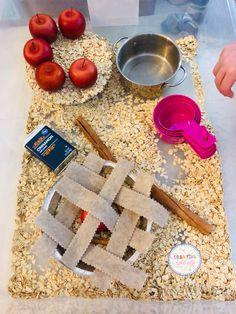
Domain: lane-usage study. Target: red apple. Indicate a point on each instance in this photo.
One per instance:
(83, 73)
(72, 23)
(37, 51)
(100, 228)
(43, 26)
(50, 76)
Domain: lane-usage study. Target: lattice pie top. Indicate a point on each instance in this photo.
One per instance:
(83, 187)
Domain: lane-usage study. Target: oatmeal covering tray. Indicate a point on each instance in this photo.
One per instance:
(124, 123)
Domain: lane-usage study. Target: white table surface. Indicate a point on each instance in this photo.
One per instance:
(16, 97)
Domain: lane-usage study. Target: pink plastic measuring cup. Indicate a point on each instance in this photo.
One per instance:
(198, 137)
(169, 116)
(165, 119)
(178, 117)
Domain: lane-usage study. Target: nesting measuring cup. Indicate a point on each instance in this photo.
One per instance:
(164, 119)
(177, 118)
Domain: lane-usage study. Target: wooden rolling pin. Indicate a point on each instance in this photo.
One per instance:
(158, 194)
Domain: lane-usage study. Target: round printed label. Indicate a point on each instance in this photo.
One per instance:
(184, 259)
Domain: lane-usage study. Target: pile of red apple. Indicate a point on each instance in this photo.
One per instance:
(49, 75)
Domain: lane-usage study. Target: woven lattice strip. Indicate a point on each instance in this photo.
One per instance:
(136, 202)
(86, 232)
(44, 247)
(114, 266)
(123, 231)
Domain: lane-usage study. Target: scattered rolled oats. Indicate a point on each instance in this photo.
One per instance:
(124, 123)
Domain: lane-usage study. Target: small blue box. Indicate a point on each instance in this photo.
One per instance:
(50, 148)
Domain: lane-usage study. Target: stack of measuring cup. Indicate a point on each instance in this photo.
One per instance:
(177, 119)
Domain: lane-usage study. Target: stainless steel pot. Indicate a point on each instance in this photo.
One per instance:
(147, 62)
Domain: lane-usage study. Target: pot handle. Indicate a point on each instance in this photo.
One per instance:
(180, 81)
(114, 46)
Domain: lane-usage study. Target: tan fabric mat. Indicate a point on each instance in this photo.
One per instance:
(124, 123)
(67, 305)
